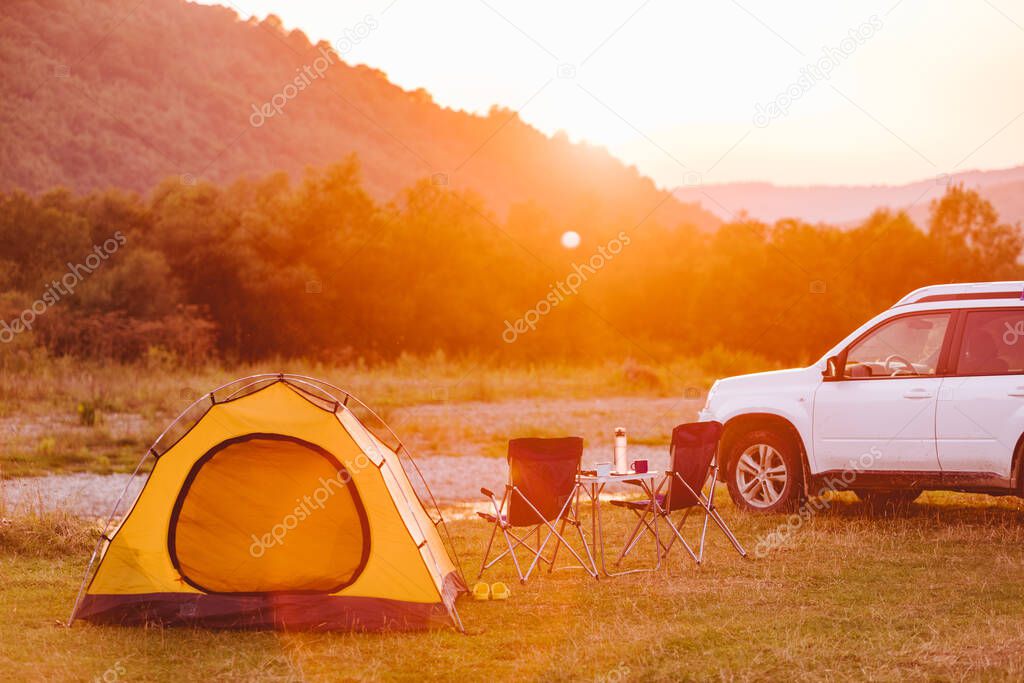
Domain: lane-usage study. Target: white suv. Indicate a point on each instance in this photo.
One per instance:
(927, 395)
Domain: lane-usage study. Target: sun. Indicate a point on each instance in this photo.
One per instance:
(570, 239)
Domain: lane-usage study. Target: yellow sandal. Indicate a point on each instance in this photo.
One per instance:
(481, 591)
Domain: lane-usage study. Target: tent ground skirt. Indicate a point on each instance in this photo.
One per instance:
(288, 611)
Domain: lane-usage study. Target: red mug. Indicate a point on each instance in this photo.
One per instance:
(640, 467)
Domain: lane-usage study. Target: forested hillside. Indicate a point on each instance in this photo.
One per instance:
(351, 219)
(318, 269)
(117, 93)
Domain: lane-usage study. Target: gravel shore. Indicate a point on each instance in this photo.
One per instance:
(452, 479)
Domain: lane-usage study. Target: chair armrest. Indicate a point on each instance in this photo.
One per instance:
(494, 501)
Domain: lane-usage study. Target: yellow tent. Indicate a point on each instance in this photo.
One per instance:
(271, 505)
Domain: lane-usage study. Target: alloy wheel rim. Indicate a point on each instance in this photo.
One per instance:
(761, 475)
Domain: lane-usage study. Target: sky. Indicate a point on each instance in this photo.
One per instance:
(793, 93)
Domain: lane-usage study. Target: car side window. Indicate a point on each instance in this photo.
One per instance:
(992, 343)
(907, 346)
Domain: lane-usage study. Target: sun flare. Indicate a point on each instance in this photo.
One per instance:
(570, 239)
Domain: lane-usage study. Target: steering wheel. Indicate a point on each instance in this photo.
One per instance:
(898, 359)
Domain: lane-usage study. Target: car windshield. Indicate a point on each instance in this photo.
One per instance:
(908, 345)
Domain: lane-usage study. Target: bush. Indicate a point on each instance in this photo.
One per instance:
(87, 414)
(721, 362)
(267, 269)
(185, 335)
(640, 376)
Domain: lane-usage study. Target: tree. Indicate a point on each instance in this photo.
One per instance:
(971, 241)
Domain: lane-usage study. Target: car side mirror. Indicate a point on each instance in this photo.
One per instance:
(831, 371)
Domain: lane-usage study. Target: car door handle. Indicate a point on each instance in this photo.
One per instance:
(1017, 391)
(917, 393)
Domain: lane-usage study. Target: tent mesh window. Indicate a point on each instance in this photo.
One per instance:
(182, 426)
(317, 397)
(268, 513)
(243, 387)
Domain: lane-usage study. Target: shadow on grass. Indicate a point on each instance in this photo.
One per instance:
(936, 506)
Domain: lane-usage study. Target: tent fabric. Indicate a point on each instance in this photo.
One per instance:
(273, 510)
(283, 611)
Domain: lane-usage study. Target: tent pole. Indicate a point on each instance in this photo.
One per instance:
(104, 536)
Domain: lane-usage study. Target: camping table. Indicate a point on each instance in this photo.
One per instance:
(593, 485)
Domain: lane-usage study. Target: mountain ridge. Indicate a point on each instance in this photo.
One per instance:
(120, 94)
(851, 204)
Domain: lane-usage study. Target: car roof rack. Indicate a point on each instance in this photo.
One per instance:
(964, 292)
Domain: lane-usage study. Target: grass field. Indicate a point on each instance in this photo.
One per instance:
(60, 415)
(934, 594)
(931, 594)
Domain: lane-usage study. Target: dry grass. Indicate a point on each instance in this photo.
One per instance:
(484, 428)
(60, 415)
(49, 535)
(931, 595)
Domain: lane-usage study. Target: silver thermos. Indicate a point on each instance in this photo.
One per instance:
(621, 465)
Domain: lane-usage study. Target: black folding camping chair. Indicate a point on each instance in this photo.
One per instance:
(694, 469)
(540, 499)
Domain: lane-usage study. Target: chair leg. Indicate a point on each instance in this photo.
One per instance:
(560, 541)
(676, 528)
(572, 517)
(641, 527)
(552, 531)
(558, 544)
(728, 532)
(513, 541)
(539, 551)
(703, 535)
(678, 536)
(592, 569)
(512, 552)
(633, 538)
(708, 503)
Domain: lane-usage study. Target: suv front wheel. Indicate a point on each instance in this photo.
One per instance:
(763, 472)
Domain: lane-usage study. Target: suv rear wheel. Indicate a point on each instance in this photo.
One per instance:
(764, 472)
